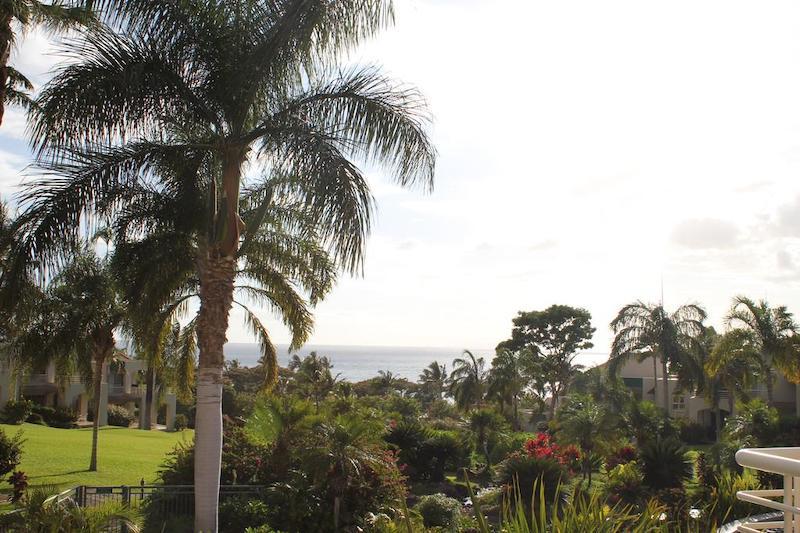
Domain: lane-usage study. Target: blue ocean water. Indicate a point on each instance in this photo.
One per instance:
(356, 363)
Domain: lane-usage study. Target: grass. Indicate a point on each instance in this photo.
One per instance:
(60, 457)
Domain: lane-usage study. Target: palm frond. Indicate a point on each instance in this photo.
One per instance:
(269, 355)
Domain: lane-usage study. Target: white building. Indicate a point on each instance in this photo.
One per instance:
(639, 378)
(123, 384)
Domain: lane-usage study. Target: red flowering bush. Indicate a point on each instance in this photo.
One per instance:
(571, 457)
(621, 456)
(542, 447)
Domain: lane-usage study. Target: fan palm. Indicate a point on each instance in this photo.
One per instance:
(25, 14)
(468, 380)
(771, 330)
(224, 85)
(643, 330)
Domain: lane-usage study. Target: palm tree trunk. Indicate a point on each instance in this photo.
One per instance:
(147, 423)
(6, 35)
(516, 413)
(216, 298)
(655, 378)
(770, 386)
(730, 402)
(665, 379)
(97, 387)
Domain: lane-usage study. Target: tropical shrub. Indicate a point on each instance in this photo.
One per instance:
(66, 516)
(624, 484)
(239, 513)
(620, 456)
(441, 452)
(525, 471)
(10, 452)
(692, 432)
(181, 422)
(36, 418)
(543, 447)
(119, 416)
(16, 411)
(664, 464)
(61, 417)
(723, 505)
(437, 510)
(19, 484)
(755, 424)
(648, 422)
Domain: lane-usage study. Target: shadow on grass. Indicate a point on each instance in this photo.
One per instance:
(60, 475)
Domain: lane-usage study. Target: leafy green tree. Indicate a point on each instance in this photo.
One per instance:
(553, 337)
(221, 87)
(644, 330)
(434, 381)
(24, 15)
(772, 331)
(468, 380)
(506, 383)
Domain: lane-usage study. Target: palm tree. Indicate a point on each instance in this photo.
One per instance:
(222, 87)
(486, 427)
(25, 14)
(313, 374)
(468, 380)
(735, 363)
(771, 330)
(434, 380)
(644, 330)
(506, 383)
(77, 326)
(585, 422)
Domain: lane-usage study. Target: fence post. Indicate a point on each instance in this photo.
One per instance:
(126, 503)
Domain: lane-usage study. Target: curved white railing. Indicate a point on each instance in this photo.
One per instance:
(783, 461)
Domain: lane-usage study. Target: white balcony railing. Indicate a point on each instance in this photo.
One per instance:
(783, 461)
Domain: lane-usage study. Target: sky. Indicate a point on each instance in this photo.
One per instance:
(590, 153)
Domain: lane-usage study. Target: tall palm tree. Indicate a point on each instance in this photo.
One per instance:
(434, 379)
(24, 15)
(771, 330)
(224, 86)
(76, 329)
(643, 330)
(506, 383)
(468, 380)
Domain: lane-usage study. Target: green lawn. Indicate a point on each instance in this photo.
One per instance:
(60, 457)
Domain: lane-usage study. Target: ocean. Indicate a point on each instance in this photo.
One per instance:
(357, 363)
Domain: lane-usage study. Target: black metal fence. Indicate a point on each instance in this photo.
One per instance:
(158, 500)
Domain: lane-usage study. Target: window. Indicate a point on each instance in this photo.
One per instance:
(678, 403)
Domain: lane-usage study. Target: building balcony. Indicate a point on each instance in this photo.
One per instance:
(782, 461)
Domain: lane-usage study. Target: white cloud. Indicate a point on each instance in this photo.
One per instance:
(705, 233)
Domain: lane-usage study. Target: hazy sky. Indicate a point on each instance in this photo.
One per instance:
(586, 151)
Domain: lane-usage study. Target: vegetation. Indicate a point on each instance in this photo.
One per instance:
(216, 149)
